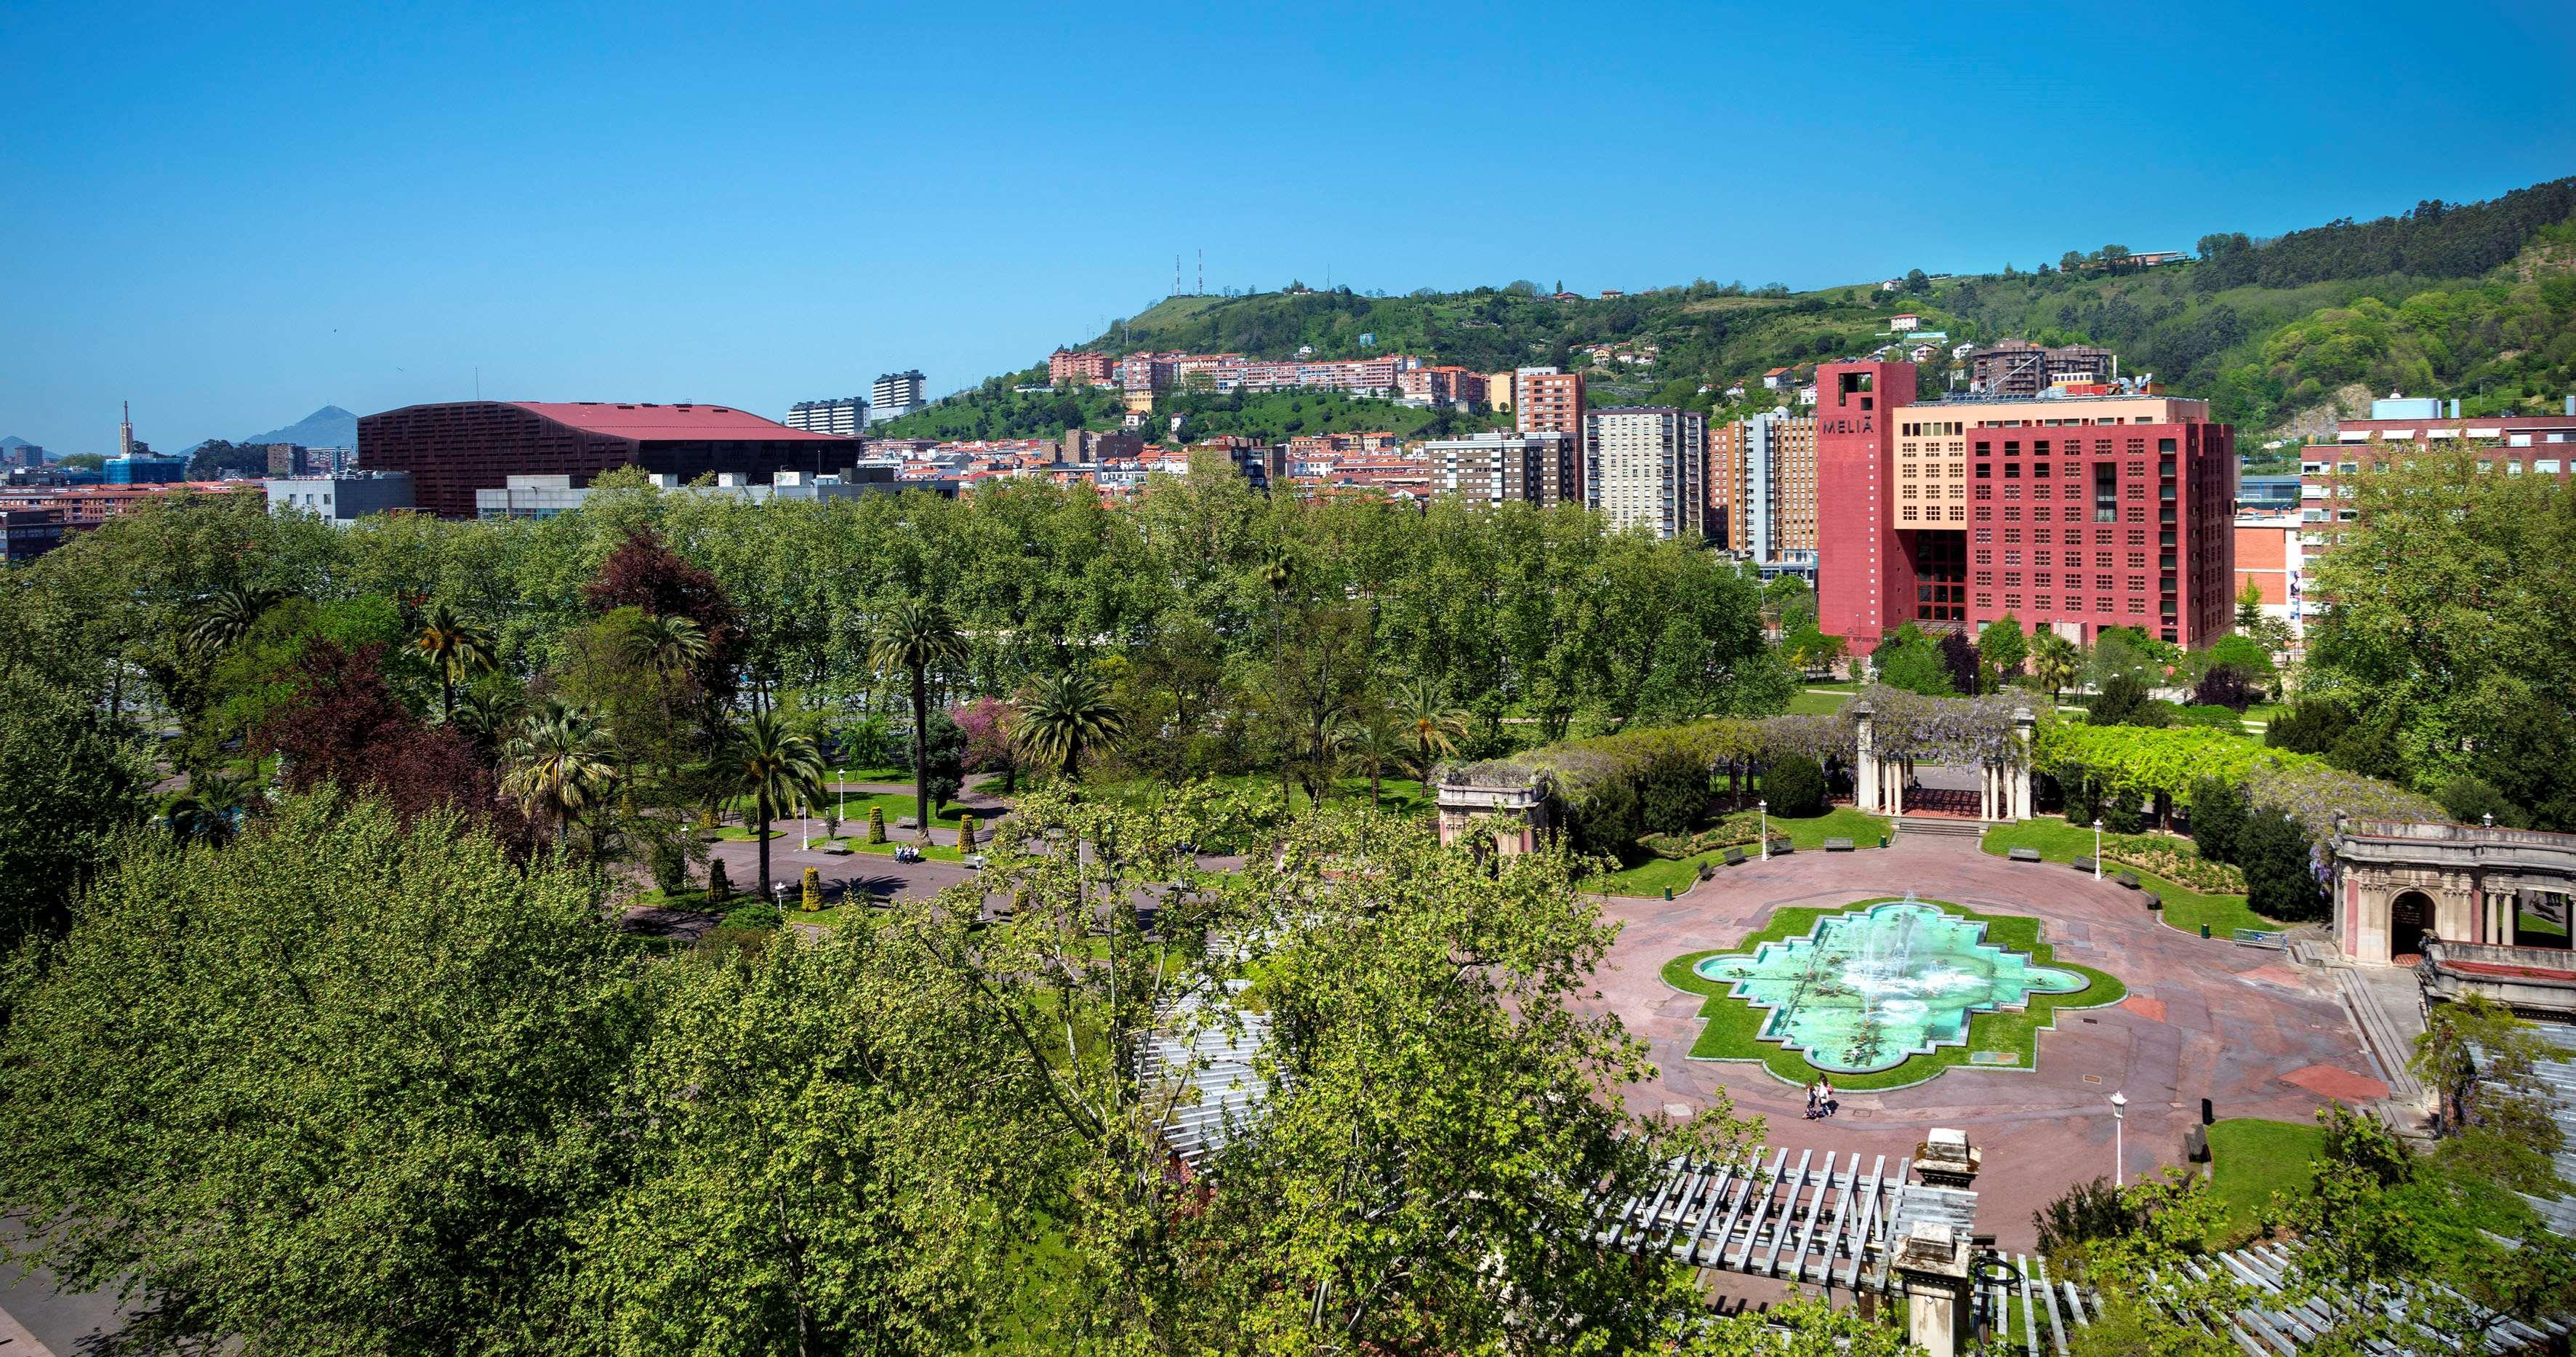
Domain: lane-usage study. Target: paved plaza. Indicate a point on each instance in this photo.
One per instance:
(2243, 1027)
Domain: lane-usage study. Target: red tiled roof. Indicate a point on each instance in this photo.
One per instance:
(648, 421)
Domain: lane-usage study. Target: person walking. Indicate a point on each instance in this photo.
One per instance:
(1811, 1100)
(1824, 1096)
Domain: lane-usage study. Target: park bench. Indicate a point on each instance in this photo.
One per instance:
(1735, 857)
(2084, 865)
(2129, 879)
(2023, 855)
(906, 822)
(2260, 937)
(1781, 847)
(2154, 901)
(1838, 845)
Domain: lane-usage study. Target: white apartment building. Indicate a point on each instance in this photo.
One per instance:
(843, 418)
(897, 394)
(1642, 465)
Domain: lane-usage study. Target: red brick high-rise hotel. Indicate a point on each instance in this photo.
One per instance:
(2085, 508)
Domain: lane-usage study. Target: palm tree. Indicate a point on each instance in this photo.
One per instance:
(211, 808)
(774, 766)
(2054, 661)
(1431, 724)
(1067, 715)
(482, 715)
(457, 648)
(915, 636)
(669, 646)
(1376, 739)
(557, 768)
(227, 615)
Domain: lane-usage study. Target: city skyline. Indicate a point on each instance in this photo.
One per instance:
(419, 203)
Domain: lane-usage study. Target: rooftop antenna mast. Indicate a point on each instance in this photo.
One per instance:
(1202, 270)
(1176, 275)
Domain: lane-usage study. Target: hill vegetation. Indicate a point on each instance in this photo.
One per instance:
(2475, 301)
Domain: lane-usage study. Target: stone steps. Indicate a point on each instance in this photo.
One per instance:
(1939, 827)
(2380, 1031)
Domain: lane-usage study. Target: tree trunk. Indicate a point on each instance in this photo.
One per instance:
(761, 837)
(921, 753)
(447, 696)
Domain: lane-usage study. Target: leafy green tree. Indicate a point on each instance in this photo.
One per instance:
(343, 1049)
(1795, 787)
(2002, 647)
(69, 781)
(2280, 882)
(2470, 799)
(914, 637)
(2310, 726)
(1910, 660)
(227, 616)
(1065, 716)
(837, 1147)
(2249, 606)
(2218, 814)
(2125, 701)
(776, 767)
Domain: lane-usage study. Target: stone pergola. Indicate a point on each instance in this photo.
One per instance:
(1882, 764)
(2396, 883)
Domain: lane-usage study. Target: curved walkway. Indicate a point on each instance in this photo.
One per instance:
(2243, 1027)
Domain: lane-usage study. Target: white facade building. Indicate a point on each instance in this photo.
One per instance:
(895, 395)
(1643, 466)
(843, 418)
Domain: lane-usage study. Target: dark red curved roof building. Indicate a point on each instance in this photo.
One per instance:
(455, 448)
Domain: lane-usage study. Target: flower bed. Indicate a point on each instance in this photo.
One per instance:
(2175, 860)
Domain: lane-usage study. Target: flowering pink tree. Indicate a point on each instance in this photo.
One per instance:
(989, 747)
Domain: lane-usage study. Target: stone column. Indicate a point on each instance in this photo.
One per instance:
(1896, 787)
(1933, 1263)
(1985, 791)
(1865, 761)
(2021, 767)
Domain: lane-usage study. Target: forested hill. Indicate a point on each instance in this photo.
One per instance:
(2471, 300)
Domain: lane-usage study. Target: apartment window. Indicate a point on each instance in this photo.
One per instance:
(2547, 466)
(2106, 494)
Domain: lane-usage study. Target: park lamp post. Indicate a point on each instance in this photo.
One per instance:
(2119, 1141)
(2097, 850)
(1764, 806)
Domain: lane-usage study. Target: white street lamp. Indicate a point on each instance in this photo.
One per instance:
(1764, 806)
(2097, 850)
(2119, 1141)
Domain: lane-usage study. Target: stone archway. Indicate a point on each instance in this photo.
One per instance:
(2410, 917)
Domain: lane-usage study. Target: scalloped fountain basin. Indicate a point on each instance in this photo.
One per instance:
(1863, 991)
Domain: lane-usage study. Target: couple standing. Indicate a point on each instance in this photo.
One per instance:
(1820, 1098)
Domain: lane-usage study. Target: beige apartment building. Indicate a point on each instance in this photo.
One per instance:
(1643, 466)
(1762, 490)
(1489, 469)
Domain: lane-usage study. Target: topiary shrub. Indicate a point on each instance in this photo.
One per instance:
(876, 824)
(719, 886)
(1795, 787)
(1672, 791)
(813, 899)
(965, 833)
(2217, 817)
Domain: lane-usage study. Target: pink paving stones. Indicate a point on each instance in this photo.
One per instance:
(2342, 1085)
(2277, 975)
(2151, 1009)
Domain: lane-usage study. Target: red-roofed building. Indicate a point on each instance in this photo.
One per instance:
(454, 448)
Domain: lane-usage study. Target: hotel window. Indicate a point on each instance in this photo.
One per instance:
(1985, 471)
(1985, 534)
(2012, 558)
(2137, 560)
(1983, 514)
(2012, 535)
(2012, 579)
(2042, 603)
(2012, 513)
(2101, 584)
(2012, 600)
(1985, 556)
(2138, 515)
(2137, 605)
(2137, 584)
(2074, 560)
(1986, 578)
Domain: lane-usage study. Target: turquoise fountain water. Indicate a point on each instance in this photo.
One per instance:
(1864, 990)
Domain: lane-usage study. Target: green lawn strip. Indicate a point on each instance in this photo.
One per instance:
(2185, 908)
(833, 777)
(1732, 1023)
(858, 843)
(2249, 1160)
(739, 834)
(1396, 795)
(1816, 704)
(896, 806)
(1650, 877)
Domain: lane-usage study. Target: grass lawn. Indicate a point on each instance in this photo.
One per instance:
(858, 843)
(896, 805)
(741, 834)
(1804, 703)
(2185, 908)
(1651, 876)
(833, 777)
(2249, 1160)
(1732, 1023)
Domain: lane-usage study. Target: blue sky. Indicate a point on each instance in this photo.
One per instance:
(233, 214)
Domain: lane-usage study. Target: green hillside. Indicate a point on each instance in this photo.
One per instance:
(2476, 301)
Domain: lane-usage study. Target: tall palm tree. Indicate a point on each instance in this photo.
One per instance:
(227, 615)
(457, 648)
(1374, 739)
(774, 766)
(1432, 726)
(915, 636)
(1067, 715)
(2054, 661)
(558, 765)
(669, 646)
